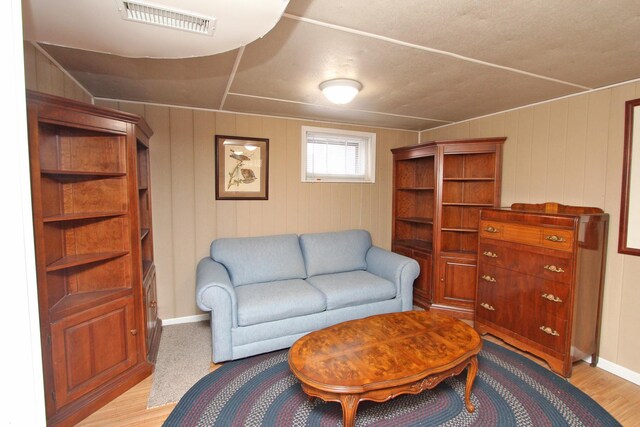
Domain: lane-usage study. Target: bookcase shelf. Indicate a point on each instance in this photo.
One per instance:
(82, 215)
(79, 260)
(460, 230)
(80, 175)
(468, 179)
(418, 220)
(415, 243)
(77, 303)
(467, 204)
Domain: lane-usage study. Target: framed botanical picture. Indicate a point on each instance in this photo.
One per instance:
(242, 168)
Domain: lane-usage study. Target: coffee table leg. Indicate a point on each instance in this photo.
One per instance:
(471, 376)
(349, 404)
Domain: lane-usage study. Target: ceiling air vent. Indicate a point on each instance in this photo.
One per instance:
(170, 18)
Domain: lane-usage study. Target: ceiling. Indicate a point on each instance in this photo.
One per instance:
(422, 64)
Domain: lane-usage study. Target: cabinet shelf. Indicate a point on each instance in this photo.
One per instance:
(416, 219)
(82, 215)
(416, 188)
(79, 260)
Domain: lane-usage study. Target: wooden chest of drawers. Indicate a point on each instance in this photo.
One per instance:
(540, 277)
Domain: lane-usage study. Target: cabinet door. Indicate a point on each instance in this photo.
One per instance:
(457, 282)
(92, 347)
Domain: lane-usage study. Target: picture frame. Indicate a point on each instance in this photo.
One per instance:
(629, 230)
(241, 168)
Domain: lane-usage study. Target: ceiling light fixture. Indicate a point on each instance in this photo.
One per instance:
(340, 91)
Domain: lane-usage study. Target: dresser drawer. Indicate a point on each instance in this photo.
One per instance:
(523, 290)
(540, 327)
(545, 329)
(555, 267)
(494, 309)
(545, 237)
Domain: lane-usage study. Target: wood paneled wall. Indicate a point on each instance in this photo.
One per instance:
(570, 151)
(43, 75)
(186, 216)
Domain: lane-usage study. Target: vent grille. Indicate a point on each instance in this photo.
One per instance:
(164, 17)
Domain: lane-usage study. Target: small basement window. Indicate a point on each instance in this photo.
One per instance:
(335, 155)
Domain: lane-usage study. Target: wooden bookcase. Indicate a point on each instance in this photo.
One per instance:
(438, 190)
(94, 251)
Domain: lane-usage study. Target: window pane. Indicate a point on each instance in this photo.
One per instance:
(337, 156)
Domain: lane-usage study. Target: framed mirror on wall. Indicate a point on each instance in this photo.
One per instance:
(629, 238)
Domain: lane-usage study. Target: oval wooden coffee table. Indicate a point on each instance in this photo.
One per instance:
(383, 356)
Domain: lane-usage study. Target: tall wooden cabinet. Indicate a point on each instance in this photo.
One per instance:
(540, 280)
(94, 252)
(439, 188)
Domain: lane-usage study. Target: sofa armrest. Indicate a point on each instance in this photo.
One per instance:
(215, 293)
(396, 268)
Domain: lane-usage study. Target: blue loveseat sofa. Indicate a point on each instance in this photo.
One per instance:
(266, 292)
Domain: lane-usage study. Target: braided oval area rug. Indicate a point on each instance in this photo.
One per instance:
(509, 390)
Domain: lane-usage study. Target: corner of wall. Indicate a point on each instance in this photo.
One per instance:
(44, 74)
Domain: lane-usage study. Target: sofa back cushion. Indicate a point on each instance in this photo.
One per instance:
(260, 259)
(336, 252)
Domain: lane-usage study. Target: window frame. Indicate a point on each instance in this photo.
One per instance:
(369, 158)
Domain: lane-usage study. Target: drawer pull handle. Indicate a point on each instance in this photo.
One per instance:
(548, 330)
(554, 269)
(488, 278)
(551, 297)
(554, 238)
(490, 254)
(487, 306)
(491, 229)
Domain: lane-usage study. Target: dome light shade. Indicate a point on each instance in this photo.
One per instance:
(340, 91)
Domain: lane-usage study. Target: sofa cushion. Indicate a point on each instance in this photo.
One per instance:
(266, 302)
(336, 252)
(260, 259)
(352, 288)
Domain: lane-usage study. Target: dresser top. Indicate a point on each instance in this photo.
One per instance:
(564, 216)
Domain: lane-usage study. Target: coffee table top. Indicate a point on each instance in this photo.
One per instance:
(382, 351)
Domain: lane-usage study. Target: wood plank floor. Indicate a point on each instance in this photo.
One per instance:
(618, 396)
